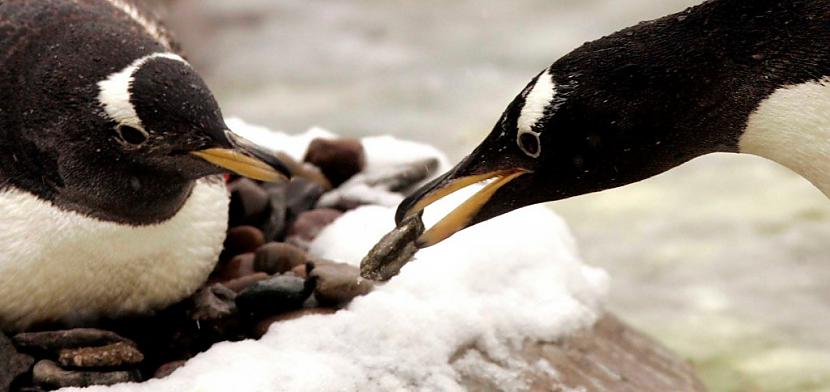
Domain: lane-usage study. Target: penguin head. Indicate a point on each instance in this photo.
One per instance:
(157, 114)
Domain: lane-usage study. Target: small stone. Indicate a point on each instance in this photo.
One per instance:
(305, 170)
(12, 363)
(113, 355)
(273, 226)
(48, 374)
(301, 270)
(249, 203)
(262, 326)
(168, 368)
(53, 341)
(242, 239)
(213, 302)
(338, 159)
(244, 282)
(337, 283)
(239, 266)
(301, 195)
(276, 295)
(278, 257)
(393, 251)
(310, 223)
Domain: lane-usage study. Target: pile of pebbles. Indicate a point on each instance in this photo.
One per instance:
(264, 276)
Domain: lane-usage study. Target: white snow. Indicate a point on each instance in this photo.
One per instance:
(514, 278)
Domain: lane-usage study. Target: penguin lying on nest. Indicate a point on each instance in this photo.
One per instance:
(110, 146)
(725, 76)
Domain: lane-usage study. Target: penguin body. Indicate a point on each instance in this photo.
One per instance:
(110, 151)
(724, 76)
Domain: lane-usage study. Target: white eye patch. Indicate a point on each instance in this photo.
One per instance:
(537, 102)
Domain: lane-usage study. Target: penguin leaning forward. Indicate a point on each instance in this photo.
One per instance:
(111, 147)
(725, 76)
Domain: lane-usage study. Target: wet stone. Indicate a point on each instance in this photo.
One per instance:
(168, 368)
(249, 203)
(337, 284)
(278, 294)
(12, 363)
(310, 223)
(53, 341)
(244, 282)
(237, 267)
(278, 257)
(338, 159)
(242, 239)
(393, 251)
(301, 195)
(112, 355)
(48, 374)
(274, 225)
(262, 326)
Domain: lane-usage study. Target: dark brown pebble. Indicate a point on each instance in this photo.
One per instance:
(262, 326)
(212, 303)
(249, 203)
(53, 341)
(242, 239)
(278, 294)
(12, 363)
(301, 270)
(301, 195)
(305, 170)
(310, 223)
(239, 266)
(242, 283)
(113, 355)
(274, 225)
(168, 368)
(338, 159)
(337, 283)
(48, 374)
(278, 257)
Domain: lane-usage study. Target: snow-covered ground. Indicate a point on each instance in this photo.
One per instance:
(493, 287)
(724, 259)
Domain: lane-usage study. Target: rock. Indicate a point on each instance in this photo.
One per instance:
(278, 257)
(305, 170)
(53, 341)
(301, 195)
(168, 368)
(48, 374)
(242, 239)
(278, 294)
(237, 267)
(261, 327)
(338, 159)
(249, 203)
(302, 270)
(610, 356)
(244, 282)
(310, 223)
(337, 284)
(274, 226)
(213, 302)
(12, 363)
(393, 251)
(112, 355)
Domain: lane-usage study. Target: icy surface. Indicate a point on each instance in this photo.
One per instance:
(492, 287)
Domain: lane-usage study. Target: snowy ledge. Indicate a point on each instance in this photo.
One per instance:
(461, 312)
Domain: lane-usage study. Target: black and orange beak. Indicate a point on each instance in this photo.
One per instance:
(247, 159)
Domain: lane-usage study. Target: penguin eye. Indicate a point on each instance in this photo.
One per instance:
(131, 135)
(529, 143)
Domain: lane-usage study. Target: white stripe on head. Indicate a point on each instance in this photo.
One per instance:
(148, 24)
(114, 91)
(537, 102)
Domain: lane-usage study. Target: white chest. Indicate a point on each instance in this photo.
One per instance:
(792, 127)
(58, 265)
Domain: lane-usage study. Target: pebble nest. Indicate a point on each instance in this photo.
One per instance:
(263, 276)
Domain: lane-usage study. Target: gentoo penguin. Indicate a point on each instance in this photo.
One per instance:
(725, 76)
(111, 147)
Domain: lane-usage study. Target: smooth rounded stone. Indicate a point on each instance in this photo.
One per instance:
(53, 341)
(310, 223)
(113, 355)
(47, 373)
(242, 239)
(336, 284)
(213, 302)
(249, 203)
(274, 225)
(239, 284)
(393, 251)
(338, 159)
(12, 363)
(301, 270)
(278, 294)
(261, 327)
(168, 368)
(237, 267)
(301, 195)
(305, 170)
(278, 257)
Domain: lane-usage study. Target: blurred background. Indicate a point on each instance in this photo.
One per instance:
(723, 260)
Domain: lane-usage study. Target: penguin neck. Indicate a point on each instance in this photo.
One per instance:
(792, 127)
